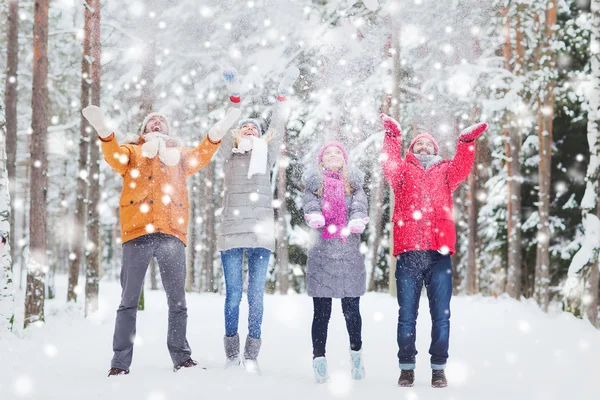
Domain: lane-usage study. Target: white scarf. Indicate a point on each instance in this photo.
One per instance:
(258, 158)
(156, 143)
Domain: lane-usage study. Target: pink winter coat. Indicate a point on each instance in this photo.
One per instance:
(423, 213)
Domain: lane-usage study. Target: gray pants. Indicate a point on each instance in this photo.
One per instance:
(137, 253)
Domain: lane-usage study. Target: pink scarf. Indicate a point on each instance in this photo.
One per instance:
(333, 206)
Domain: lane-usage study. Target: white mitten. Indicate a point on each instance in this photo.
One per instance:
(170, 156)
(315, 220)
(219, 130)
(287, 81)
(150, 148)
(95, 116)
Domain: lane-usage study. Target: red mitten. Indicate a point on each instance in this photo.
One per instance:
(473, 132)
(391, 126)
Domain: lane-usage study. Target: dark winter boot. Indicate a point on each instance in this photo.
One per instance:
(438, 378)
(189, 363)
(251, 350)
(407, 378)
(117, 371)
(232, 350)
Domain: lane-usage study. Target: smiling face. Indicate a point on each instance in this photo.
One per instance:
(333, 158)
(424, 146)
(157, 124)
(249, 129)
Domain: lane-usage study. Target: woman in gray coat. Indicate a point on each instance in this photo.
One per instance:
(247, 219)
(335, 205)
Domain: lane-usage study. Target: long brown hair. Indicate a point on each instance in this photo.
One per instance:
(347, 186)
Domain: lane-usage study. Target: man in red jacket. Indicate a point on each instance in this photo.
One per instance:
(424, 236)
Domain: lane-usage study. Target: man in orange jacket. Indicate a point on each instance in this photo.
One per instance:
(154, 221)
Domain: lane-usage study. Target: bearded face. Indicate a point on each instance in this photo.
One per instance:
(156, 124)
(424, 146)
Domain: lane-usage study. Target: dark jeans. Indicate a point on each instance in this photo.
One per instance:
(322, 313)
(413, 269)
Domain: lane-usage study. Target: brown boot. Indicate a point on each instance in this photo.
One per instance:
(407, 378)
(117, 371)
(438, 378)
(189, 363)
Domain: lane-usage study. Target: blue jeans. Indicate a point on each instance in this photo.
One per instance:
(413, 269)
(258, 262)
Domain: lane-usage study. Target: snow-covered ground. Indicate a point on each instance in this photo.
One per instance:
(500, 349)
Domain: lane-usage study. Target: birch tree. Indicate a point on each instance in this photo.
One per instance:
(7, 297)
(93, 225)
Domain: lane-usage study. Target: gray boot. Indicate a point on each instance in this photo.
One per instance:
(232, 350)
(251, 351)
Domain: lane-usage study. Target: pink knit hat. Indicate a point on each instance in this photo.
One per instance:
(424, 136)
(329, 144)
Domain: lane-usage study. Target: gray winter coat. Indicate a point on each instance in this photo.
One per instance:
(247, 218)
(335, 269)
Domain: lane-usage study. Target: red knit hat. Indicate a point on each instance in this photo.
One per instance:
(329, 144)
(424, 136)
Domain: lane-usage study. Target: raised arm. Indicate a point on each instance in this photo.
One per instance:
(195, 159)
(280, 112)
(231, 78)
(462, 163)
(118, 157)
(391, 152)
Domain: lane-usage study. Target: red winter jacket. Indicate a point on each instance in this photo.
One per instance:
(423, 214)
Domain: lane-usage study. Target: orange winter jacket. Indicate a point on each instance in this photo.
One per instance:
(154, 196)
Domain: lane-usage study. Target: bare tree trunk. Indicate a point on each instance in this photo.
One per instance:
(545, 120)
(376, 219)
(37, 268)
(78, 243)
(153, 270)
(376, 210)
(394, 113)
(24, 219)
(10, 109)
(515, 252)
(591, 306)
(93, 224)
(283, 269)
(7, 286)
(591, 193)
(472, 211)
(513, 152)
(211, 249)
(190, 281)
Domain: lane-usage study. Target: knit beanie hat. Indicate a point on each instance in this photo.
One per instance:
(329, 144)
(147, 119)
(424, 136)
(253, 122)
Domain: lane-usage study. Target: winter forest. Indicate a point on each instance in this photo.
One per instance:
(527, 217)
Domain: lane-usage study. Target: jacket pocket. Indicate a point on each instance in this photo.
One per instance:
(136, 211)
